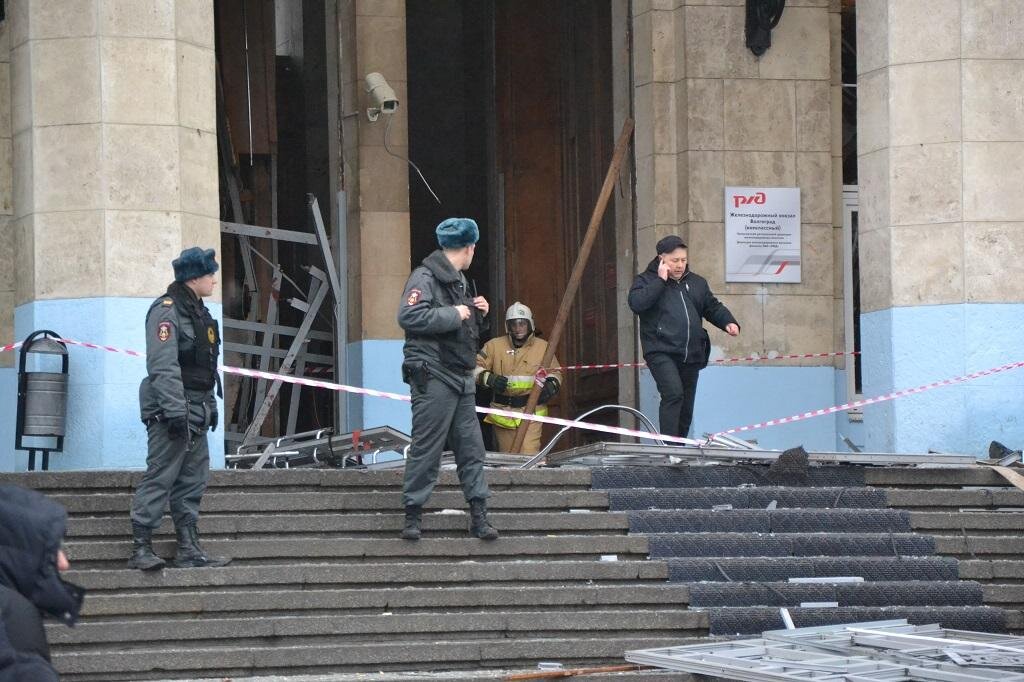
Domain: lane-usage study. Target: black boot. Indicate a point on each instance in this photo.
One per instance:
(411, 531)
(480, 528)
(142, 556)
(190, 554)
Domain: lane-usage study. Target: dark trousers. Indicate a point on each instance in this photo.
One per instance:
(177, 472)
(677, 384)
(23, 623)
(441, 414)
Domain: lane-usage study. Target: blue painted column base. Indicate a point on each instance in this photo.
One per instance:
(377, 364)
(913, 346)
(103, 426)
(729, 397)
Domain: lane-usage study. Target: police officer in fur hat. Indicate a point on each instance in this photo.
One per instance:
(178, 407)
(440, 318)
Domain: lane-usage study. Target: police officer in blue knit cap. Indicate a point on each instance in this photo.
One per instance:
(178, 407)
(439, 316)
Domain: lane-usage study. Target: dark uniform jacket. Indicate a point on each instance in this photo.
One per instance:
(672, 313)
(182, 347)
(435, 338)
(31, 530)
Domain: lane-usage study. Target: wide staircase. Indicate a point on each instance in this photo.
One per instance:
(591, 563)
(923, 544)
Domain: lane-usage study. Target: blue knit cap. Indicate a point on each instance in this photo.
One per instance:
(454, 233)
(194, 262)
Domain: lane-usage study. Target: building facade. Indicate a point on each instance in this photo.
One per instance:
(109, 113)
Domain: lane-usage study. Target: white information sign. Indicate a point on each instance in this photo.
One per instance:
(762, 234)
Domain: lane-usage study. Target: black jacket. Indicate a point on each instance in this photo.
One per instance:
(31, 530)
(434, 333)
(671, 314)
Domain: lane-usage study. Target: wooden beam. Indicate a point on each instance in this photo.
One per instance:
(577, 272)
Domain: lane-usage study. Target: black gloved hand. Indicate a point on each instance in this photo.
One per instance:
(214, 420)
(177, 428)
(549, 390)
(496, 382)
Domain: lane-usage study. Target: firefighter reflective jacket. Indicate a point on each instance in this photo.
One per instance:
(520, 366)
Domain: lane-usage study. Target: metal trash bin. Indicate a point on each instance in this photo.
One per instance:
(42, 399)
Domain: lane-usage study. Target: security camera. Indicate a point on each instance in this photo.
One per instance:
(382, 96)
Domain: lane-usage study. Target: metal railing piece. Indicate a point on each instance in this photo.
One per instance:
(540, 456)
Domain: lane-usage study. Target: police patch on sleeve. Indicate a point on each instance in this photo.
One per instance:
(163, 331)
(414, 297)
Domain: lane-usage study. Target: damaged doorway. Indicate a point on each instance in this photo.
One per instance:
(510, 119)
(274, 148)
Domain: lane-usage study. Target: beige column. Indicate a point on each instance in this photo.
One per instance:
(372, 39)
(115, 143)
(941, 135)
(113, 115)
(710, 115)
(6, 200)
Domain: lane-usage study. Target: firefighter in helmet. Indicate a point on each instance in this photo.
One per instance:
(509, 365)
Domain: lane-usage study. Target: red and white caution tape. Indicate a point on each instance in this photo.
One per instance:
(722, 361)
(872, 401)
(587, 426)
(111, 349)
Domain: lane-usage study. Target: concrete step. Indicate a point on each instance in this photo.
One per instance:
(190, 662)
(290, 630)
(229, 600)
(754, 620)
(664, 545)
(992, 570)
(931, 477)
(368, 550)
(310, 575)
(903, 593)
(272, 501)
(633, 674)
(776, 569)
(297, 480)
(746, 498)
(719, 476)
(939, 499)
(355, 525)
(769, 521)
(1008, 596)
(980, 546)
(974, 523)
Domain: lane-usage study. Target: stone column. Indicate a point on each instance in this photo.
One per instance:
(709, 115)
(115, 171)
(377, 184)
(940, 138)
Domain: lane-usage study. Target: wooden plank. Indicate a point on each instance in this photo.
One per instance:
(577, 272)
(1015, 479)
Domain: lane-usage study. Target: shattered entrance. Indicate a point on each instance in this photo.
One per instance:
(273, 112)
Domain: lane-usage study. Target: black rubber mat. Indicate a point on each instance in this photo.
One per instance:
(717, 476)
(746, 621)
(764, 521)
(905, 593)
(662, 545)
(746, 498)
(779, 569)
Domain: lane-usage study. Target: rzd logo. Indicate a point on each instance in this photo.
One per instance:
(740, 200)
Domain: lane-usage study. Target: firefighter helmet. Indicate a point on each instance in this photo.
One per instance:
(518, 311)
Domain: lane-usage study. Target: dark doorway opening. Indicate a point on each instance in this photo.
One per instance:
(510, 120)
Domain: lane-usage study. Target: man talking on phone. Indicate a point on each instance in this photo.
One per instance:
(672, 302)
(440, 318)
